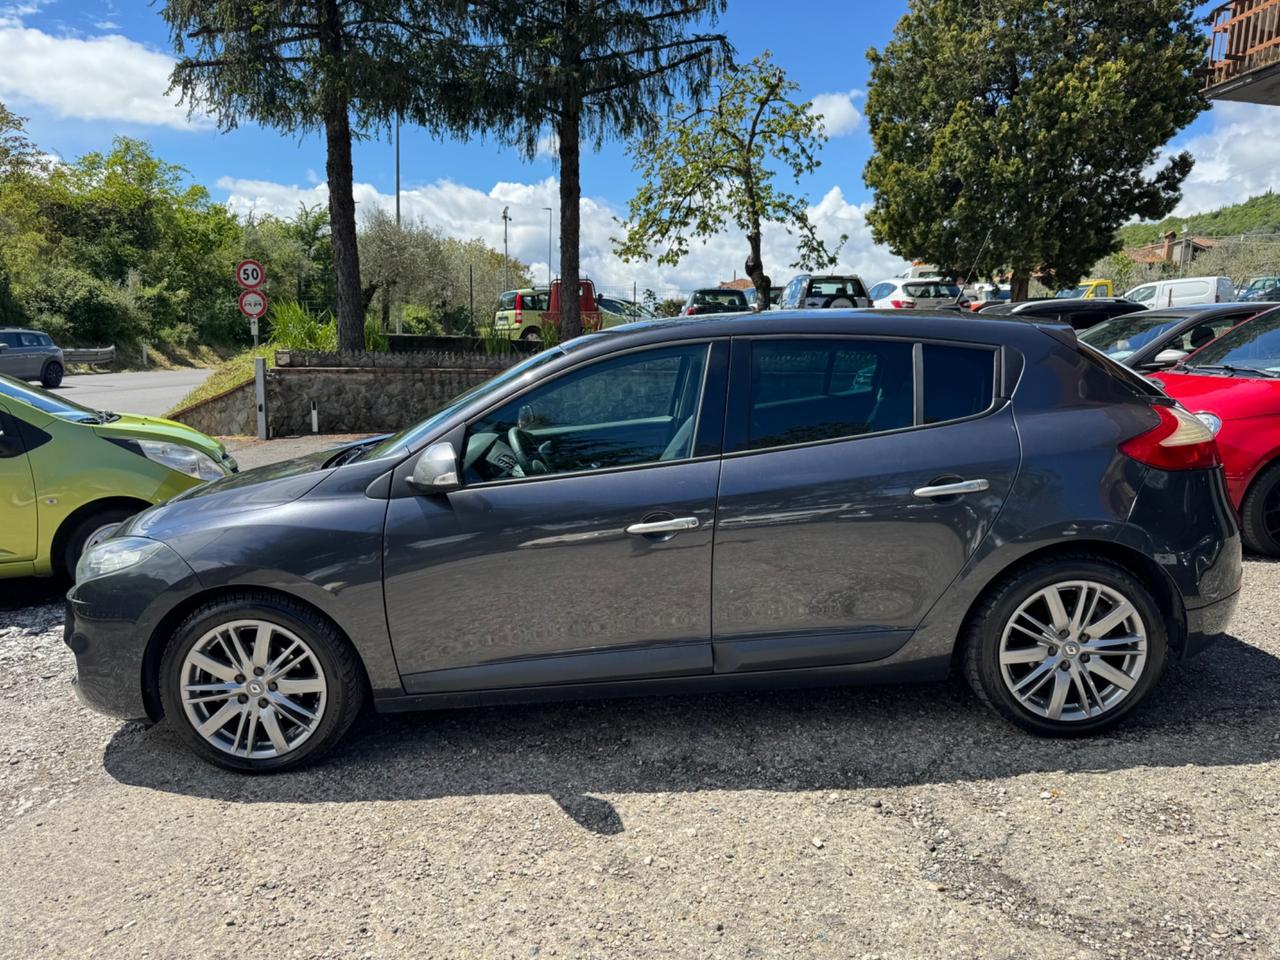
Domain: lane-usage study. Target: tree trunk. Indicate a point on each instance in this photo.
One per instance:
(570, 216)
(755, 270)
(342, 203)
(1019, 287)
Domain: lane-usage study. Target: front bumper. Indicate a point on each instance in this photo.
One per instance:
(109, 625)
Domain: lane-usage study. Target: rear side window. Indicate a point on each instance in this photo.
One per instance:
(802, 391)
(958, 382)
(507, 301)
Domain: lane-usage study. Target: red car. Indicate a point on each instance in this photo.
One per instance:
(1233, 385)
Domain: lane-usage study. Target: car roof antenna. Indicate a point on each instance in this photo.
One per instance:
(976, 260)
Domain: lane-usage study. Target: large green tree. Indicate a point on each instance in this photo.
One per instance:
(343, 67)
(1020, 134)
(711, 165)
(590, 70)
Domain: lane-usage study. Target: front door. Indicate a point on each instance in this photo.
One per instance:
(579, 547)
(17, 494)
(840, 518)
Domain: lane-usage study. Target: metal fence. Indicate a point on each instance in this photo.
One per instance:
(89, 355)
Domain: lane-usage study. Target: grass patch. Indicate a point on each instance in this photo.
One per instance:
(230, 373)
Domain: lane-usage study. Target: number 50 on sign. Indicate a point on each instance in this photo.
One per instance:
(249, 274)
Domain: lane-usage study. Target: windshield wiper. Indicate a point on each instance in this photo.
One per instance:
(1235, 371)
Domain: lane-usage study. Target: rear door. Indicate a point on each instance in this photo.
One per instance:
(17, 494)
(840, 519)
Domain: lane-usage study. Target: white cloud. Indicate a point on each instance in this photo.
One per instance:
(1235, 159)
(839, 116)
(548, 146)
(99, 78)
(465, 212)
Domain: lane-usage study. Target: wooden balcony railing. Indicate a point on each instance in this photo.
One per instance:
(1246, 37)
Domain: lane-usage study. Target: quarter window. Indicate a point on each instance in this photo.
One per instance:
(958, 382)
(635, 409)
(803, 391)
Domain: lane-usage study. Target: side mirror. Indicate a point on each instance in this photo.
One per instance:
(1169, 358)
(436, 470)
(3, 347)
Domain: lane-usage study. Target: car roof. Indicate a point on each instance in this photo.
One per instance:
(924, 324)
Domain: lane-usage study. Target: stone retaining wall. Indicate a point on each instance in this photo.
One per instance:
(348, 400)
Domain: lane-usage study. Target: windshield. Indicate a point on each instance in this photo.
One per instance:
(1254, 345)
(1075, 293)
(48, 403)
(1262, 283)
(411, 435)
(1122, 336)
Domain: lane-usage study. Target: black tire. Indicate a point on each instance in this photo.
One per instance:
(52, 375)
(342, 672)
(73, 545)
(1262, 504)
(986, 626)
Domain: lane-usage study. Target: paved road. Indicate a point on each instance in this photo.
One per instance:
(151, 393)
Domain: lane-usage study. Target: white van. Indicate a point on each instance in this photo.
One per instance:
(1183, 292)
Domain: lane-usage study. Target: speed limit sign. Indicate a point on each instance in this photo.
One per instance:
(249, 274)
(253, 304)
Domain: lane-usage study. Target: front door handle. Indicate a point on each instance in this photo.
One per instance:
(952, 489)
(674, 525)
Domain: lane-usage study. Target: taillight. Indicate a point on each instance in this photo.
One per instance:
(1178, 442)
(519, 308)
(690, 311)
(902, 304)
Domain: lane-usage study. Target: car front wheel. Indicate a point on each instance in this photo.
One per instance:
(260, 683)
(1067, 646)
(1260, 513)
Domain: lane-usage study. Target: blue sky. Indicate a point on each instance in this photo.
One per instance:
(83, 72)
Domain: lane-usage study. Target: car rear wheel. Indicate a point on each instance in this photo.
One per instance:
(260, 683)
(89, 532)
(1066, 646)
(1260, 513)
(52, 375)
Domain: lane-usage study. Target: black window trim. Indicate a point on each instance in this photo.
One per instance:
(737, 405)
(708, 342)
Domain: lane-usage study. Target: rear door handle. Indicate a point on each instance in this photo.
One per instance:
(674, 525)
(952, 489)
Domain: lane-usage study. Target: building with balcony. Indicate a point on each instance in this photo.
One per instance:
(1244, 55)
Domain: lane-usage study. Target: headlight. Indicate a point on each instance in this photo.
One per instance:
(180, 457)
(111, 556)
(1210, 420)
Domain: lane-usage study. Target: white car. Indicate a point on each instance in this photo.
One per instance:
(1183, 292)
(927, 293)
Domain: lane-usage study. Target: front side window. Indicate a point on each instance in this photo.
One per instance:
(634, 409)
(804, 390)
(1143, 294)
(959, 382)
(10, 339)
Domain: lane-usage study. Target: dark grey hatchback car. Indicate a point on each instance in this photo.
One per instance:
(783, 499)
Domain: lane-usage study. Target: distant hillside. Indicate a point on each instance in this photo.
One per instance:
(1259, 214)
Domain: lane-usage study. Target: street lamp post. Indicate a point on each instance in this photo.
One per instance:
(548, 209)
(506, 259)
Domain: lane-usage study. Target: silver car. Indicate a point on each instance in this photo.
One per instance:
(31, 355)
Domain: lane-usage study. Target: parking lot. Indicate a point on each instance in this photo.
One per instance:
(899, 822)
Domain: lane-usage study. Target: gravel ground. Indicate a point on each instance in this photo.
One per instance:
(887, 823)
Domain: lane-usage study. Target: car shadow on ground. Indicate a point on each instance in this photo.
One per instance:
(1222, 708)
(23, 592)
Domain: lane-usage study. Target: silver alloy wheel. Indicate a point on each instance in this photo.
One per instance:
(253, 689)
(1073, 651)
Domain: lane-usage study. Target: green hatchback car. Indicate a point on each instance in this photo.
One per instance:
(69, 475)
